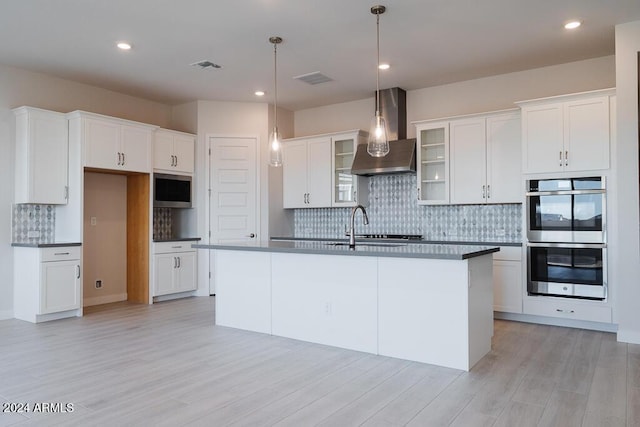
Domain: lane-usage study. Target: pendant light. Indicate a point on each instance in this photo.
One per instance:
(378, 143)
(275, 146)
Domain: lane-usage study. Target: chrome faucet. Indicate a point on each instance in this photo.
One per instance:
(352, 233)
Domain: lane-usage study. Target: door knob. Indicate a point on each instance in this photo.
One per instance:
(252, 235)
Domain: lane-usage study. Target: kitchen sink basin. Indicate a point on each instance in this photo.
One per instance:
(388, 245)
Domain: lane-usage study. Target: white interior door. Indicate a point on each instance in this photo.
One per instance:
(233, 216)
(233, 195)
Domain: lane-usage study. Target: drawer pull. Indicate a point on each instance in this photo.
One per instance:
(176, 247)
(61, 253)
(565, 311)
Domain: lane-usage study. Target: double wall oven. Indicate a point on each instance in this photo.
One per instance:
(566, 237)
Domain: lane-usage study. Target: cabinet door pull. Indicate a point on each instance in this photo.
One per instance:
(560, 158)
(176, 163)
(119, 158)
(566, 158)
(484, 193)
(559, 310)
(488, 191)
(123, 159)
(77, 271)
(179, 262)
(252, 235)
(418, 193)
(175, 262)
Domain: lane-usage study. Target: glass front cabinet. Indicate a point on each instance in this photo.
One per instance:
(433, 163)
(347, 189)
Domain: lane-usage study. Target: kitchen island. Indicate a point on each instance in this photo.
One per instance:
(427, 303)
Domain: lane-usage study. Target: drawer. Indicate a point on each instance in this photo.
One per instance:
(170, 247)
(60, 253)
(552, 307)
(508, 253)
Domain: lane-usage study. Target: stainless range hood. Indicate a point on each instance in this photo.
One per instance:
(402, 151)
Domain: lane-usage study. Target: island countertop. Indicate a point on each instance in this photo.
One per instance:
(397, 250)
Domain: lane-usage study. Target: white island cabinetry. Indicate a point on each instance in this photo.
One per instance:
(373, 299)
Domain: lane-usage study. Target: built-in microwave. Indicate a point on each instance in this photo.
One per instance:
(171, 191)
(566, 210)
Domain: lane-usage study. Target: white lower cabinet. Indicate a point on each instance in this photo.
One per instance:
(568, 309)
(174, 268)
(507, 279)
(47, 283)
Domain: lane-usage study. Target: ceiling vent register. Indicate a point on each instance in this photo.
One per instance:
(314, 78)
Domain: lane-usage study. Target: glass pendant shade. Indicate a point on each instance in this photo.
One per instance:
(275, 148)
(378, 143)
(275, 141)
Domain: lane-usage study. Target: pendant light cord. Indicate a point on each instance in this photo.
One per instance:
(275, 85)
(378, 65)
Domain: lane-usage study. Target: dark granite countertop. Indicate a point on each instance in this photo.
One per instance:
(177, 239)
(377, 249)
(45, 245)
(428, 242)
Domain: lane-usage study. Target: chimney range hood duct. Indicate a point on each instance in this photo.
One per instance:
(402, 153)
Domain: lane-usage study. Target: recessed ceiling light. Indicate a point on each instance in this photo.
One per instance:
(259, 93)
(384, 66)
(572, 25)
(124, 45)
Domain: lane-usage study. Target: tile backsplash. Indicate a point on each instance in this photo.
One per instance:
(33, 223)
(162, 223)
(393, 209)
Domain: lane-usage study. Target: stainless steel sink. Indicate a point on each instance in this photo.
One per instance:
(366, 244)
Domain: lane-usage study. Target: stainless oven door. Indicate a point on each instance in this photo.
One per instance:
(567, 270)
(566, 210)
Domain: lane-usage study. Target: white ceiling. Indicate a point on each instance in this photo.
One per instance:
(427, 43)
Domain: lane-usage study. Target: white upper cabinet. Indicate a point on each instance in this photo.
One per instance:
(42, 156)
(468, 164)
(432, 159)
(115, 144)
(348, 189)
(485, 159)
(306, 172)
(504, 154)
(567, 133)
(470, 160)
(173, 151)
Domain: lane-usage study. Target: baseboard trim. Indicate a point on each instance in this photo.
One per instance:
(628, 336)
(556, 321)
(106, 299)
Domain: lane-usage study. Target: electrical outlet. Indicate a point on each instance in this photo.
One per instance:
(93, 220)
(98, 284)
(33, 234)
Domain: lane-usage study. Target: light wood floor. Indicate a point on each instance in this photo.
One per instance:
(169, 365)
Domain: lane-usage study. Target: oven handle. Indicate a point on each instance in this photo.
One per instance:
(567, 245)
(565, 192)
